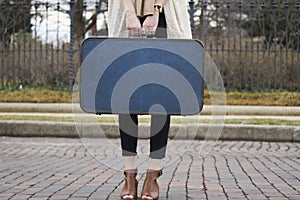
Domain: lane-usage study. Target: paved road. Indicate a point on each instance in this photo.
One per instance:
(59, 168)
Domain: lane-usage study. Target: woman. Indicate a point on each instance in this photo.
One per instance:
(135, 18)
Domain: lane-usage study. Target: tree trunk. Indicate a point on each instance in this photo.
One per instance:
(78, 21)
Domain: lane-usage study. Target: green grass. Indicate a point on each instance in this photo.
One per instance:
(264, 98)
(232, 98)
(255, 121)
(35, 96)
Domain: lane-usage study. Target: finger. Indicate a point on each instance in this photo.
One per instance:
(135, 32)
(153, 30)
(148, 30)
(140, 32)
(129, 33)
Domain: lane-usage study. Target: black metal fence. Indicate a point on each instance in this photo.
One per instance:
(255, 45)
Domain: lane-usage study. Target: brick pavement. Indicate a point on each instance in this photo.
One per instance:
(59, 168)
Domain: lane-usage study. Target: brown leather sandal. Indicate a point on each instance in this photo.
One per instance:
(150, 187)
(130, 186)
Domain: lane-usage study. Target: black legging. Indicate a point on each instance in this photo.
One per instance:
(160, 124)
(159, 130)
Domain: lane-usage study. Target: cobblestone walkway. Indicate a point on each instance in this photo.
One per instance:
(59, 168)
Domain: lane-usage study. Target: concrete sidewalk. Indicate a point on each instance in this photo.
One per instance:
(178, 131)
(207, 109)
(74, 169)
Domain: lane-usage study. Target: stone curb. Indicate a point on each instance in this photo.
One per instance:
(207, 109)
(177, 131)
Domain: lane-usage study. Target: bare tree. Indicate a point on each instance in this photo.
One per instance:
(82, 25)
(216, 15)
(14, 18)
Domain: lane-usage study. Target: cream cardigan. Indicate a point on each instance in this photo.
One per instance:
(177, 18)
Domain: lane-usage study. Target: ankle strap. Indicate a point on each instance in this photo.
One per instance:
(157, 172)
(130, 171)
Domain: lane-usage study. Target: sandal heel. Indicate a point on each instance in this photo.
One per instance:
(131, 184)
(150, 186)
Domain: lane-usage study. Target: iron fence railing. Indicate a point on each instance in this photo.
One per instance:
(255, 45)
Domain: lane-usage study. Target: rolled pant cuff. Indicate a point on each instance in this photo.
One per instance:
(127, 153)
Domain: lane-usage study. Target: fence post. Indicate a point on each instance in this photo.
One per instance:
(71, 47)
(192, 11)
(298, 45)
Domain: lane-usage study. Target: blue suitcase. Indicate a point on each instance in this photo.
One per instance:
(141, 76)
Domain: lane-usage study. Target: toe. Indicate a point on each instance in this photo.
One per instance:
(146, 197)
(127, 197)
